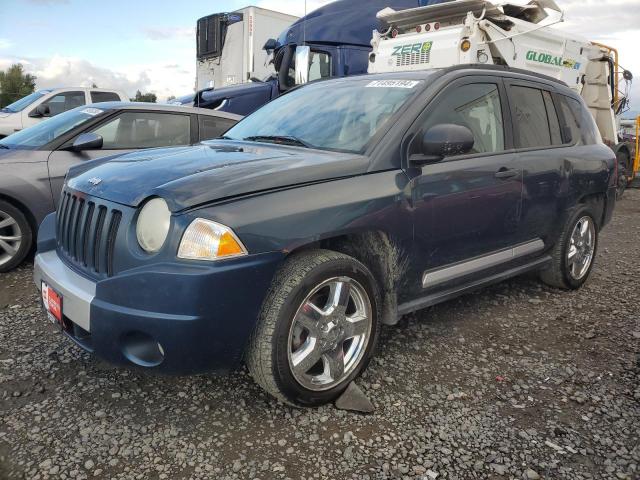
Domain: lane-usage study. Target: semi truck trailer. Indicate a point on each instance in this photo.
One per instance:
(230, 46)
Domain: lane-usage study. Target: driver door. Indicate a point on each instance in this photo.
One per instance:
(466, 206)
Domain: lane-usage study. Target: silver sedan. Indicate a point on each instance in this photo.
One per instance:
(34, 161)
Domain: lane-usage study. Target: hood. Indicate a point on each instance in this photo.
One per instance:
(192, 176)
(5, 113)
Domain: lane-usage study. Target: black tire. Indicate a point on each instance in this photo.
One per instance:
(26, 234)
(558, 274)
(269, 348)
(624, 170)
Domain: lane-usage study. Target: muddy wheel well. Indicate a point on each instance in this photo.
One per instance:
(383, 257)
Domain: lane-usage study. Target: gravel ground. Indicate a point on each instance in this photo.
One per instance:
(516, 381)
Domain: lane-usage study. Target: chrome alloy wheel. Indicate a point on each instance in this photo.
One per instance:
(10, 237)
(329, 333)
(581, 248)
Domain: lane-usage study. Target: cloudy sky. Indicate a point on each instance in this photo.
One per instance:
(150, 46)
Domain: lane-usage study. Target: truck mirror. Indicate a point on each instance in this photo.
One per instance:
(303, 59)
(271, 45)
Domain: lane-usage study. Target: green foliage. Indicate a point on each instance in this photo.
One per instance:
(15, 84)
(145, 97)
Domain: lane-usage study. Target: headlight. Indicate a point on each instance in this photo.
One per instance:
(153, 225)
(207, 240)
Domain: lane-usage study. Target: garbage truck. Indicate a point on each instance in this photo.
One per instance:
(332, 41)
(515, 34)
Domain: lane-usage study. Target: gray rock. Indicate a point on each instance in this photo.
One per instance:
(353, 399)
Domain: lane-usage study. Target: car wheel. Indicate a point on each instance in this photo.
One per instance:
(15, 237)
(318, 328)
(624, 169)
(574, 254)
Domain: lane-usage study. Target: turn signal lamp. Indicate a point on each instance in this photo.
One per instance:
(207, 240)
(465, 46)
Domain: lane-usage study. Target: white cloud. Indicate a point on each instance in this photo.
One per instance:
(162, 79)
(4, 44)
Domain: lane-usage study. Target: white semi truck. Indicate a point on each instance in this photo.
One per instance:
(230, 46)
(516, 34)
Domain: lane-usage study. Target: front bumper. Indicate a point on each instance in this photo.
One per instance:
(178, 318)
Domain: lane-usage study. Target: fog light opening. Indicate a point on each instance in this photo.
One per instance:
(142, 349)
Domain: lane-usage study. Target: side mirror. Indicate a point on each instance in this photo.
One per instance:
(41, 111)
(442, 141)
(303, 62)
(87, 141)
(271, 45)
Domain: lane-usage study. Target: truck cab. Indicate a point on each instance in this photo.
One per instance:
(332, 41)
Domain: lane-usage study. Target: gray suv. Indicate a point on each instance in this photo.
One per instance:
(34, 161)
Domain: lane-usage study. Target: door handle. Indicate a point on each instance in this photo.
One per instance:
(506, 173)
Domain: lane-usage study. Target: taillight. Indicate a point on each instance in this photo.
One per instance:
(394, 33)
(419, 29)
(436, 26)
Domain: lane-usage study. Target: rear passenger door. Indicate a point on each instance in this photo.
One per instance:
(541, 157)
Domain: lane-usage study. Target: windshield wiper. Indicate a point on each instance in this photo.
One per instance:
(280, 140)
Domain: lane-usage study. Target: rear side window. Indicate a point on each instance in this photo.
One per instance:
(97, 97)
(213, 127)
(552, 116)
(580, 126)
(531, 118)
(65, 101)
(476, 106)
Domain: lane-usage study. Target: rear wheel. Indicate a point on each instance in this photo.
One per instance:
(15, 237)
(624, 171)
(575, 252)
(317, 330)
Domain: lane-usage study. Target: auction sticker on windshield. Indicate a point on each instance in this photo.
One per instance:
(393, 84)
(92, 111)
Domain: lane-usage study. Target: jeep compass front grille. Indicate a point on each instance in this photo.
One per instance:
(86, 232)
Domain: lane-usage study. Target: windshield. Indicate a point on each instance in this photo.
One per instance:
(341, 116)
(47, 131)
(24, 102)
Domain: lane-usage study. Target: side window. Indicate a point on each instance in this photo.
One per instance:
(531, 118)
(476, 106)
(65, 101)
(552, 115)
(320, 66)
(580, 126)
(213, 127)
(97, 97)
(132, 130)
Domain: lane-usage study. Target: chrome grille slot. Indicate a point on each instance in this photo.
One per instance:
(87, 232)
(97, 238)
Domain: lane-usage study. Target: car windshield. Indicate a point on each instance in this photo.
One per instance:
(47, 131)
(339, 116)
(24, 102)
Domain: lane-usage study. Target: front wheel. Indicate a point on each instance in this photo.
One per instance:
(574, 253)
(317, 330)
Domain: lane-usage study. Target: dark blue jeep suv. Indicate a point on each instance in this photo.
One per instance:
(336, 208)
